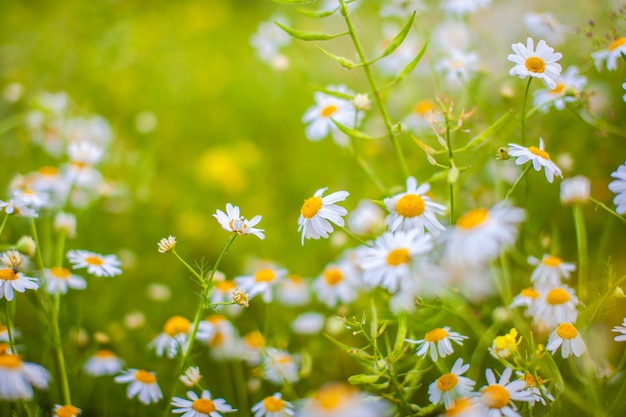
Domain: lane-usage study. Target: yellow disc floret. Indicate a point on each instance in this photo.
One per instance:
(495, 396)
(310, 207)
(436, 335)
(145, 377)
(472, 218)
(538, 152)
(566, 331)
(273, 404)
(264, 275)
(557, 296)
(398, 256)
(203, 406)
(447, 382)
(176, 325)
(617, 43)
(333, 275)
(535, 64)
(410, 205)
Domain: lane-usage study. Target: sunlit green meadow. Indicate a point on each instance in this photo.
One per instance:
(199, 120)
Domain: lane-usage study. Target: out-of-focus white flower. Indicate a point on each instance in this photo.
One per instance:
(549, 270)
(66, 411)
(17, 208)
(618, 186)
(280, 366)
(146, 122)
(620, 329)
(191, 377)
(422, 117)
(96, 264)
(463, 7)
(337, 399)
(294, 290)
(159, 292)
(537, 387)
(103, 362)
(252, 346)
(269, 39)
(450, 35)
(59, 279)
(545, 26)
(263, 281)
(539, 63)
(141, 384)
(173, 338)
(615, 50)
(575, 190)
(201, 406)
(19, 377)
(539, 158)
(319, 118)
(221, 336)
(308, 323)
(66, 223)
(13, 92)
(459, 67)
(554, 306)
(338, 283)
(273, 406)
(567, 90)
(366, 218)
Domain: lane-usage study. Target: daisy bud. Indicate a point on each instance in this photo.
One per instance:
(502, 154)
(240, 297)
(575, 190)
(12, 259)
(191, 377)
(167, 244)
(361, 102)
(65, 222)
(26, 245)
(101, 338)
(619, 292)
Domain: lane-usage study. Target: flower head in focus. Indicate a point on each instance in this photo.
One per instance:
(317, 213)
(540, 63)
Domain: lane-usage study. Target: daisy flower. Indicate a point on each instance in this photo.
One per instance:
(496, 397)
(537, 387)
(96, 264)
(539, 63)
(12, 280)
(191, 377)
(17, 208)
(525, 298)
(65, 223)
(269, 39)
(319, 118)
(575, 190)
(458, 67)
(620, 329)
(59, 279)
(17, 378)
(452, 385)
(615, 50)
(31, 198)
(539, 157)
(174, 337)
(232, 221)
(545, 26)
(464, 407)
(261, 282)
(463, 7)
(618, 186)
(65, 411)
(308, 323)
(567, 90)
(280, 366)
(221, 336)
(294, 290)
(103, 362)
(555, 306)
(568, 338)
(389, 260)
(366, 218)
(273, 406)
(480, 234)
(337, 284)
(201, 406)
(166, 244)
(318, 212)
(338, 399)
(437, 341)
(413, 209)
(141, 384)
(252, 345)
(549, 271)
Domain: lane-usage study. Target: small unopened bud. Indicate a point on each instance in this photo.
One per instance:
(361, 102)
(26, 245)
(65, 222)
(12, 258)
(101, 338)
(502, 154)
(575, 190)
(240, 297)
(191, 377)
(166, 244)
(619, 292)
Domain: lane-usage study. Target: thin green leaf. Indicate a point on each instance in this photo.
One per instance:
(353, 133)
(334, 93)
(363, 379)
(344, 62)
(398, 39)
(476, 141)
(409, 67)
(309, 36)
(318, 14)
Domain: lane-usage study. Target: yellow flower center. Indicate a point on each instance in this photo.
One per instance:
(536, 151)
(435, 335)
(410, 205)
(104, 354)
(560, 87)
(8, 275)
(398, 256)
(458, 407)
(332, 275)
(566, 331)
(332, 396)
(447, 382)
(60, 273)
(218, 339)
(424, 106)
(225, 286)
(203, 406)
(215, 318)
(67, 411)
(535, 64)
(472, 218)
(264, 275)
(531, 381)
(551, 261)
(529, 293)
(48, 171)
(557, 296)
(310, 207)
(284, 359)
(495, 396)
(328, 110)
(3, 328)
(255, 340)
(617, 43)
(145, 377)
(11, 361)
(273, 404)
(176, 325)
(94, 260)
(5, 349)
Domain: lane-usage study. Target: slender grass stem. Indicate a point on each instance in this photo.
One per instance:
(10, 327)
(375, 91)
(583, 251)
(451, 163)
(353, 236)
(195, 273)
(4, 222)
(519, 179)
(608, 209)
(523, 120)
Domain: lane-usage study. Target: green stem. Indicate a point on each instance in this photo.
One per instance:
(197, 318)
(523, 121)
(58, 350)
(4, 221)
(365, 166)
(451, 163)
(583, 252)
(189, 267)
(10, 328)
(10, 122)
(353, 236)
(608, 209)
(375, 91)
(519, 179)
(240, 388)
(39, 257)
